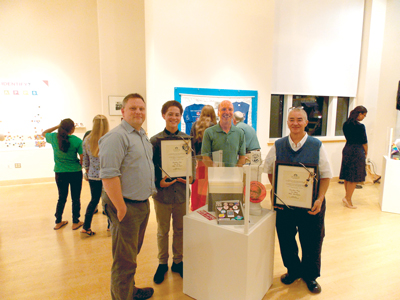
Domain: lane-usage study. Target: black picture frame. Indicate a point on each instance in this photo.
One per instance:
(295, 185)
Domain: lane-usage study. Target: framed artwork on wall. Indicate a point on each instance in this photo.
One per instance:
(115, 105)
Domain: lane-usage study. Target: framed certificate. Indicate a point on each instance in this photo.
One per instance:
(174, 157)
(295, 185)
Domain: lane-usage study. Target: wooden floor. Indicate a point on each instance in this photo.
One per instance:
(360, 257)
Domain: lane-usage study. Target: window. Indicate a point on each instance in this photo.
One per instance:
(325, 114)
(341, 114)
(316, 108)
(276, 116)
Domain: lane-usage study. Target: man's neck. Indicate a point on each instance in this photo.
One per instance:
(171, 129)
(296, 138)
(225, 126)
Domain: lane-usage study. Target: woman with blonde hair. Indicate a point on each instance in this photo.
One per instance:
(91, 163)
(199, 186)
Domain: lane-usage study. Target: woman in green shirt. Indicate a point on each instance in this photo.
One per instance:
(67, 168)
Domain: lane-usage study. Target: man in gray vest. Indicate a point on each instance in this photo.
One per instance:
(295, 148)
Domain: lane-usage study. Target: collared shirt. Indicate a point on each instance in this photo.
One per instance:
(127, 153)
(250, 135)
(175, 193)
(323, 166)
(232, 144)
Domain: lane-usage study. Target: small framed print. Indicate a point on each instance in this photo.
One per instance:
(174, 157)
(115, 105)
(295, 185)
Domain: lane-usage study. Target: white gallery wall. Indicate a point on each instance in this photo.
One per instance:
(88, 50)
(122, 51)
(55, 41)
(208, 44)
(384, 113)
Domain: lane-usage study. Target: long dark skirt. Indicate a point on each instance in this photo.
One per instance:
(353, 163)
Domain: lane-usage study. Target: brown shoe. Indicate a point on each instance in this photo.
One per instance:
(61, 224)
(76, 226)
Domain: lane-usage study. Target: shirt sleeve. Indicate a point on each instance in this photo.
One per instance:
(270, 161)
(80, 151)
(242, 149)
(324, 166)
(49, 137)
(364, 139)
(111, 154)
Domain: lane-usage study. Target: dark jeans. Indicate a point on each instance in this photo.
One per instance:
(63, 181)
(95, 189)
(311, 231)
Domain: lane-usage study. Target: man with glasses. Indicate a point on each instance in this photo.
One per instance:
(301, 148)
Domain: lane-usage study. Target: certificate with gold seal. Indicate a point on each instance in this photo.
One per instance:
(295, 184)
(174, 157)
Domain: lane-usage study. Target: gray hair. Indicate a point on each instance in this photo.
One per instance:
(239, 116)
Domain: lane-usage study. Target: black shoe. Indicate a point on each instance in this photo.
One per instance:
(313, 286)
(161, 270)
(145, 293)
(358, 186)
(177, 268)
(288, 279)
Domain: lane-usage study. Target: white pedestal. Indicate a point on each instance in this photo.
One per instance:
(221, 262)
(390, 183)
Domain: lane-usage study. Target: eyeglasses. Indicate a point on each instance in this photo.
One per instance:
(295, 107)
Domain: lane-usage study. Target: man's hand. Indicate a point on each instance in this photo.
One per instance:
(181, 180)
(165, 184)
(121, 212)
(316, 207)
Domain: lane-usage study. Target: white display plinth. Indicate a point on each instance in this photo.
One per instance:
(390, 183)
(221, 262)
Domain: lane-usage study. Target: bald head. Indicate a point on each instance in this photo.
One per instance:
(225, 112)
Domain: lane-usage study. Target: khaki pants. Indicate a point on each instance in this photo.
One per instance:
(163, 214)
(127, 239)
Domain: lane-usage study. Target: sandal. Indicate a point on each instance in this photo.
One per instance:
(61, 224)
(76, 226)
(89, 232)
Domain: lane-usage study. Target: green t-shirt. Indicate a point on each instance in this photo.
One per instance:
(66, 161)
(232, 144)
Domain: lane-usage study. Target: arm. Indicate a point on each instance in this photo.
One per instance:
(365, 146)
(272, 196)
(49, 130)
(241, 161)
(323, 187)
(80, 158)
(86, 159)
(206, 149)
(112, 186)
(207, 161)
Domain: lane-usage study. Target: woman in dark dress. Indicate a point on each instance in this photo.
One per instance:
(207, 119)
(354, 153)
